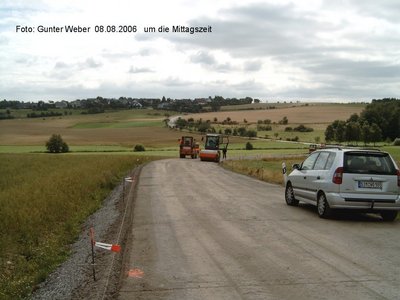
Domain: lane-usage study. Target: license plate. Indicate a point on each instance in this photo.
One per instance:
(370, 185)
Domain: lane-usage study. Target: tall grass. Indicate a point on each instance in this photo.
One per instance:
(266, 169)
(43, 201)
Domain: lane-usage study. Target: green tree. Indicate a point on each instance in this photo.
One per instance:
(204, 127)
(386, 114)
(56, 144)
(228, 131)
(249, 146)
(284, 121)
(242, 131)
(340, 131)
(376, 133)
(251, 133)
(329, 133)
(366, 133)
(353, 118)
(181, 123)
(139, 148)
(352, 132)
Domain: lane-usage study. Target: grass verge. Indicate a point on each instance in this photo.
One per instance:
(44, 199)
(266, 169)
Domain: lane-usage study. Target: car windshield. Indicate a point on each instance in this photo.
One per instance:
(368, 163)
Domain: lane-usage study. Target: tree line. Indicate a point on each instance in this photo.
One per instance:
(379, 121)
(206, 127)
(99, 104)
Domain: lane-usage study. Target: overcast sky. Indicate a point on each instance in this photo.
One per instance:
(311, 50)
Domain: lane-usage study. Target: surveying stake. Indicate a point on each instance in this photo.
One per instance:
(92, 242)
(129, 180)
(109, 247)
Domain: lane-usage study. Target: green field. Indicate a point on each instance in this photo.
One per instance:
(44, 199)
(119, 124)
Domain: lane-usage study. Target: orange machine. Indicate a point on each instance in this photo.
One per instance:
(212, 148)
(187, 146)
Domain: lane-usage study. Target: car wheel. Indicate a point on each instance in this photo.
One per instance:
(289, 196)
(324, 210)
(389, 216)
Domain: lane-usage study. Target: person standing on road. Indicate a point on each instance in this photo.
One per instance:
(224, 151)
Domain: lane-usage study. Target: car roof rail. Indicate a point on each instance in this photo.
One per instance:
(332, 147)
(371, 149)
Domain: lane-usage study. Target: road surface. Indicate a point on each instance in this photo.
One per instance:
(201, 232)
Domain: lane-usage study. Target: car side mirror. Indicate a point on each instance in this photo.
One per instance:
(296, 167)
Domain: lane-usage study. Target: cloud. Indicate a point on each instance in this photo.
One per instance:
(203, 58)
(134, 70)
(252, 65)
(208, 61)
(90, 63)
(61, 65)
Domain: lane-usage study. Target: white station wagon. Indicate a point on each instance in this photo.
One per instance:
(336, 178)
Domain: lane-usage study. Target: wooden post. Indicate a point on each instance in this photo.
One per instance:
(92, 244)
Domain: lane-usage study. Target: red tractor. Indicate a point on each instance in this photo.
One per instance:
(212, 147)
(188, 146)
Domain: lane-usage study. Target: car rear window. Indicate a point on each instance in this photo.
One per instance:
(368, 163)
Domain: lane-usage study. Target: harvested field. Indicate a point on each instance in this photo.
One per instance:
(310, 114)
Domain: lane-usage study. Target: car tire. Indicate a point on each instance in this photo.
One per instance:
(389, 216)
(324, 211)
(289, 196)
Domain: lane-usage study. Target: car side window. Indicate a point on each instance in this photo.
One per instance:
(329, 161)
(308, 164)
(321, 161)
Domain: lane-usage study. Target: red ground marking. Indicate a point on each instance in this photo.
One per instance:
(135, 273)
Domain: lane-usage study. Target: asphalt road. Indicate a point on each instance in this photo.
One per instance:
(201, 232)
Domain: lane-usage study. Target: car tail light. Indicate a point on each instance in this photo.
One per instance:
(398, 177)
(338, 176)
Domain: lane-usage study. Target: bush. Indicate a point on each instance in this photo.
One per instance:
(251, 133)
(249, 146)
(203, 127)
(396, 142)
(284, 121)
(56, 144)
(228, 131)
(139, 148)
(242, 131)
(302, 128)
(264, 128)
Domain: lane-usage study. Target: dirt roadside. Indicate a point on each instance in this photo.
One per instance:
(74, 278)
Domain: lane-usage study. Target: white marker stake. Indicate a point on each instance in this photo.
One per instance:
(284, 173)
(109, 247)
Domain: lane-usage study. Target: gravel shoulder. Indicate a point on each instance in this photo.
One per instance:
(74, 278)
